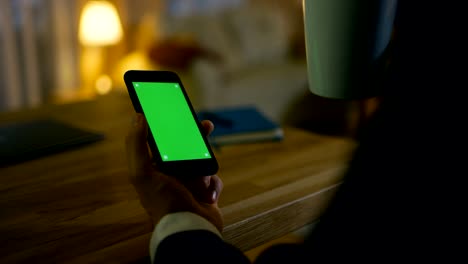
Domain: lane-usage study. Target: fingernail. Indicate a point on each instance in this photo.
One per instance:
(214, 195)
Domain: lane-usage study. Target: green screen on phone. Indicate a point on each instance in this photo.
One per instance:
(171, 122)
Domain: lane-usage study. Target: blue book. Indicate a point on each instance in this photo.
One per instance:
(241, 125)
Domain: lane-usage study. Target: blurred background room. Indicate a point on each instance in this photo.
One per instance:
(227, 52)
(64, 61)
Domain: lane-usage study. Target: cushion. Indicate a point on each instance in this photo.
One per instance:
(262, 33)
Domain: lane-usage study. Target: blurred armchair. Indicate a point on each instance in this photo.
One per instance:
(250, 59)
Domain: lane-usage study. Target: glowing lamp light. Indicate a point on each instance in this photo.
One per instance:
(103, 84)
(99, 24)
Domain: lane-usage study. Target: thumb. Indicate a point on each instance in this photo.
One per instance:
(138, 157)
(208, 127)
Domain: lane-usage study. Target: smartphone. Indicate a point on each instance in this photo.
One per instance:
(175, 136)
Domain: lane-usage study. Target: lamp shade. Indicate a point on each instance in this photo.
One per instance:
(99, 24)
(346, 44)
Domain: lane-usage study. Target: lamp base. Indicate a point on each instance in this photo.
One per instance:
(91, 68)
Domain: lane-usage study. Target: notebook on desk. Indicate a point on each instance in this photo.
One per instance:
(243, 124)
(32, 139)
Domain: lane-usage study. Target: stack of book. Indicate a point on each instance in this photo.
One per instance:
(244, 124)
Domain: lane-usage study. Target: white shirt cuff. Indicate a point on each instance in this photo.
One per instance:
(175, 223)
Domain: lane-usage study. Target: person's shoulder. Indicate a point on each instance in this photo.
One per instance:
(197, 246)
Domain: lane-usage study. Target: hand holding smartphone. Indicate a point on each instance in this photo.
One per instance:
(175, 135)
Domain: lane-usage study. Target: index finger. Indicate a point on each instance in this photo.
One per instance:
(138, 157)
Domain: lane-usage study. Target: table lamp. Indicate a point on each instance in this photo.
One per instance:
(99, 28)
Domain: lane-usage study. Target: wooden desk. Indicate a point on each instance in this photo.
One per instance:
(79, 207)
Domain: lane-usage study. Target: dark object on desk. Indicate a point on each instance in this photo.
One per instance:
(241, 125)
(28, 140)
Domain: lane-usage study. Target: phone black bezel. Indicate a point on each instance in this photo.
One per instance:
(182, 168)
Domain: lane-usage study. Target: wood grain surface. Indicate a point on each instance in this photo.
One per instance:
(78, 206)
